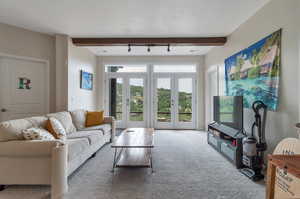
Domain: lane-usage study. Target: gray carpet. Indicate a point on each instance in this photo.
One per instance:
(185, 167)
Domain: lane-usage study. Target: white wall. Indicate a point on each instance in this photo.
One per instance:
(80, 58)
(61, 51)
(197, 60)
(20, 42)
(273, 16)
(298, 25)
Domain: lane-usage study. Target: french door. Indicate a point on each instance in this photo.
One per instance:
(174, 104)
(162, 100)
(128, 92)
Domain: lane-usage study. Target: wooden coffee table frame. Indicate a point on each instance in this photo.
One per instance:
(134, 139)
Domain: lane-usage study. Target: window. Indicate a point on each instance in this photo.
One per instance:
(174, 68)
(136, 87)
(126, 68)
(185, 92)
(163, 93)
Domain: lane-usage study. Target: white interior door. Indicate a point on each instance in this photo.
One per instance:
(24, 88)
(174, 101)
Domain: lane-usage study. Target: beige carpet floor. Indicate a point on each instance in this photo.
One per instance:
(186, 167)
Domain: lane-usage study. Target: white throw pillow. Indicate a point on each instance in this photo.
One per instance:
(65, 119)
(58, 127)
(37, 134)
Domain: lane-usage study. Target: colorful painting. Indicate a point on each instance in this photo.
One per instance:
(86, 80)
(254, 72)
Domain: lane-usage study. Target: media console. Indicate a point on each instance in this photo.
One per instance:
(226, 141)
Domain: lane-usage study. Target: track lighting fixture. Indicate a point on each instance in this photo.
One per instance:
(149, 47)
(129, 47)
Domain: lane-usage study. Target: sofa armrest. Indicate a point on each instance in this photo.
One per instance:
(111, 120)
(28, 148)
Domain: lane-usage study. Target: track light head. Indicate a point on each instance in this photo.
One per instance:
(129, 47)
(168, 49)
(148, 49)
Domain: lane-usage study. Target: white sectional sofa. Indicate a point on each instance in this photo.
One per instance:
(35, 162)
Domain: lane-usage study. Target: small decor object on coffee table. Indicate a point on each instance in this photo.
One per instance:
(133, 148)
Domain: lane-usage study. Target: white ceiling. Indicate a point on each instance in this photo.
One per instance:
(130, 18)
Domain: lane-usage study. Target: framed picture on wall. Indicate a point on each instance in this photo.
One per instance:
(86, 80)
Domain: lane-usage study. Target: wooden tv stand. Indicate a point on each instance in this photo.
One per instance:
(226, 141)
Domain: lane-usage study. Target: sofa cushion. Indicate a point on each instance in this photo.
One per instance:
(65, 119)
(38, 121)
(93, 136)
(103, 127)
(79, 117)
(76, 147)
(12, 130)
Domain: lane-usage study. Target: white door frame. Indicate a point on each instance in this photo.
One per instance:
(210, 92)
(150, 114)
(47, 80)
(175, 123)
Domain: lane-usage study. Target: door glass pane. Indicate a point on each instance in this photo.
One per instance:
(185, 89)
(163, 92)
(115, 97)
(136, 99)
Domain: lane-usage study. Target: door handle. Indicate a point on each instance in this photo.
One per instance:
(3, 110)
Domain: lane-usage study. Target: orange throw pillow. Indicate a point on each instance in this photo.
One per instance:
(49, 128)
(94, 118)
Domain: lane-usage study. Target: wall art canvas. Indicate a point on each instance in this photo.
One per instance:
(86, 80)
(254, 72)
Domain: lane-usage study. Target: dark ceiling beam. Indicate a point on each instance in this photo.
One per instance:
(180, 41)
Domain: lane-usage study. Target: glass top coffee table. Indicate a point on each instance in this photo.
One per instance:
(133, 148)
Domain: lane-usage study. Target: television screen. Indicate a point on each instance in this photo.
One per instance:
(228, 110)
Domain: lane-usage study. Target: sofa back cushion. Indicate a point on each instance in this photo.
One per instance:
(79, 117)
(65, 119)
(12, 130)
(38, 121)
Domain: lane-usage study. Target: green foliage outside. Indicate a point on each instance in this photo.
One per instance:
(164, 104)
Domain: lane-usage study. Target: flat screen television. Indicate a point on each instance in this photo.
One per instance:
(228, 110)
